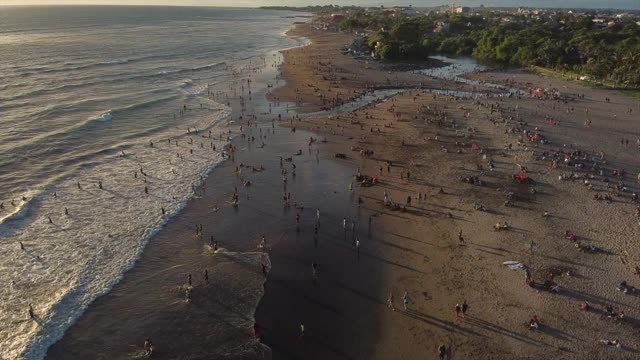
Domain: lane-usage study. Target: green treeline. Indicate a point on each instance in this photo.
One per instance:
(564, 42)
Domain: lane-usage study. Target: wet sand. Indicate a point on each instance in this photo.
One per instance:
(149, 301)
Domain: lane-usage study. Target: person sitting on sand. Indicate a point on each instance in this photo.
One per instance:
(534, 323)
(504, 226)
(569, 235)
(608, 311)
(584, 306)
(624, 287)
(613, 343)
(479, 207)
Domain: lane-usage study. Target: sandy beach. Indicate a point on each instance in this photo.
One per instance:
(446, 167)
(420, 251)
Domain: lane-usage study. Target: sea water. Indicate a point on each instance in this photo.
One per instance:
(91, 96)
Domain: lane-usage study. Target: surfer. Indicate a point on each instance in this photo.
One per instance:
(206, 276)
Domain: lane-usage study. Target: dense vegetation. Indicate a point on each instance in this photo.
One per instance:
(561, 42)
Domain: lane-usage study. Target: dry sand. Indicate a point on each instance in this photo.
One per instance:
(419, 249)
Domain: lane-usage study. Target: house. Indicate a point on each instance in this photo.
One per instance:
(599, 22)
(441, 26)
(336, 18)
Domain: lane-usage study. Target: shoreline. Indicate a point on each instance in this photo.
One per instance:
(60, 348)
(345, 312)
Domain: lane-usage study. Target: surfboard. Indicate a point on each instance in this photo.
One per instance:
(511, 262)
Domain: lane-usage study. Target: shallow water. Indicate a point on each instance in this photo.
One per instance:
(85, 92)
(455, 70)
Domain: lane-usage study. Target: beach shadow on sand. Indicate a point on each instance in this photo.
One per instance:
(442, 324)
(488, 326)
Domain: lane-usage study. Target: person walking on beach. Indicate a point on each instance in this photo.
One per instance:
(314, 271)
(30, 312)
(406, 299)
(465, 306)
(344, 225)
(353, 229)
(458, 310)
(390, 302)
(442, 351)
(318, 216)
(206, 276)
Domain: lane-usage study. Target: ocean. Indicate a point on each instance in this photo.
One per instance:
(87, 95)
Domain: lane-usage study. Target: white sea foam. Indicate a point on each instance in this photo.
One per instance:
(68, 263)
(18, 209)
(106, 116)
(114, 62)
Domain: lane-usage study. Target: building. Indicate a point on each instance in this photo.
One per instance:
(337, 17)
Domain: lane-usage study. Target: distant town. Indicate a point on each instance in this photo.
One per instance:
(592, 45)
